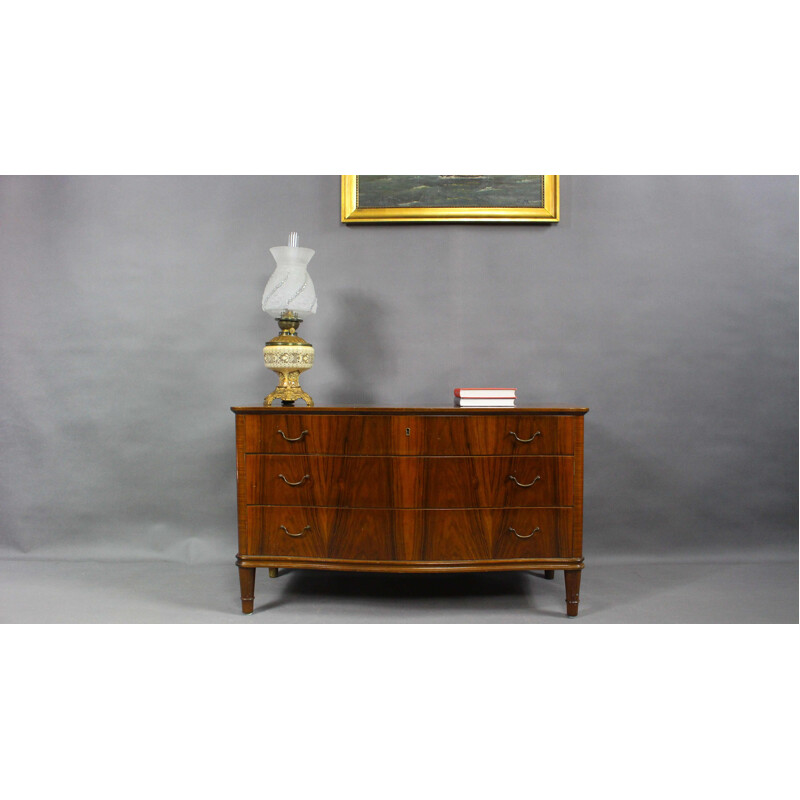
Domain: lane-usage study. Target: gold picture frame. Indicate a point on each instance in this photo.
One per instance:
(404, 203)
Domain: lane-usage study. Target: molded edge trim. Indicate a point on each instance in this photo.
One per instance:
(409, 566)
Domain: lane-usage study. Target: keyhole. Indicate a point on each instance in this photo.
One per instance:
(408, 431)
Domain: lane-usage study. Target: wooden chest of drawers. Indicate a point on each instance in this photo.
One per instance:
(410, 490)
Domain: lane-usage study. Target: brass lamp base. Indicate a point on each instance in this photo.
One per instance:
(288, 355)
(288, 390)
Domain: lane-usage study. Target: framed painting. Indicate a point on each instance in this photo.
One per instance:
(450, 198)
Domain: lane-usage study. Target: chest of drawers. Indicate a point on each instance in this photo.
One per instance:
(410, 490)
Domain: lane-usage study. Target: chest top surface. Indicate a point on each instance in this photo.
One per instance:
(410, 410)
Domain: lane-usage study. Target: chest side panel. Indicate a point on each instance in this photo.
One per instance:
(577, 531)
(241, 483)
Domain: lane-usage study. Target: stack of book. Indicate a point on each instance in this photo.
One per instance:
(489, 397)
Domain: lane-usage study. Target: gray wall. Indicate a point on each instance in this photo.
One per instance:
(131, 322)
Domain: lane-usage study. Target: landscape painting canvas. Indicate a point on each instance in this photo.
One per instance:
(450, 198)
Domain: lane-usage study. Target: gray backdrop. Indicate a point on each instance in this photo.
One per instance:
(131, 322)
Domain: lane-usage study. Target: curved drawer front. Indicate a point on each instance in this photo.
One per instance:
(409, 482)
(372, 535)
(495, 482)
(410, 536)
(335, 434)
(342, 481)
(293, 532)
(533, 533)
(491, 435)
(408, 435)
(481, 534)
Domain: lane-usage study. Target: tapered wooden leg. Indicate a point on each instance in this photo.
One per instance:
(572, 581)
(247, 582)
(273, 572)
(549, 574)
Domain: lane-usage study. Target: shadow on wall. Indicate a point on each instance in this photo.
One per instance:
(359, 348)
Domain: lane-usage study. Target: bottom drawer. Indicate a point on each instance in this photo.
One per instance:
(493, 533)
(409, 535)
(348, 534)
(533, 533)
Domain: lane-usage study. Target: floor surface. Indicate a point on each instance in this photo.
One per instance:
(33, 591)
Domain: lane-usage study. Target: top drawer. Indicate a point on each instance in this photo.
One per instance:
(383, 435)
(491, 436)
(338, 434)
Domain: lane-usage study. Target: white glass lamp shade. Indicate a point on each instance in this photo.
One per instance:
(290, 287)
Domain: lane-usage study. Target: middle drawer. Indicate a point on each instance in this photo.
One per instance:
(409, 482)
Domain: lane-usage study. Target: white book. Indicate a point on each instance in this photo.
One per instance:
(485, 402)
(488, 391)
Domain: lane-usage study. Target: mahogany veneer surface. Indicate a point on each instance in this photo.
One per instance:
(410, 489)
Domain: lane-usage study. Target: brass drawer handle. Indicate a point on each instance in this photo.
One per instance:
(525, 441)
(520, 536)
(286, 531)
(524, 485)
(299, 483)
(304, 433)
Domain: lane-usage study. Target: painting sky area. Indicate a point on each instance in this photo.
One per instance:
(450, 191)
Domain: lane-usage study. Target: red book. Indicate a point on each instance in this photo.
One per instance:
(485, 392)
(484, 402)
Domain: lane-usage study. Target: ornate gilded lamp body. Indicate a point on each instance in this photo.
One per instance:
(288, 355)
(288, 292)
